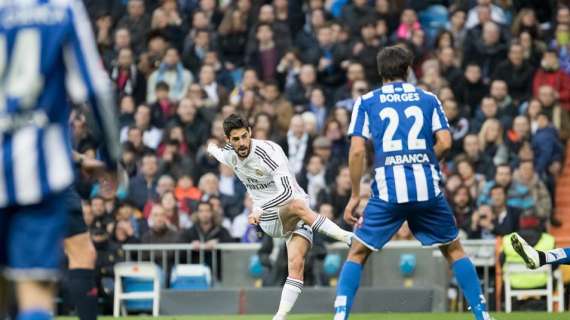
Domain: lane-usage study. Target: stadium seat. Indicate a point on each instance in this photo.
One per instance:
(548, 291)
(139, 285)
(188, 277)
(433, 19)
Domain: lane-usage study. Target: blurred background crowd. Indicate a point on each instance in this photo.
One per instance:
(501, 70)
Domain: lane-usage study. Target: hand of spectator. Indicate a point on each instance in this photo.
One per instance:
(230, 66)
(195, 245)
(210, 244)
(324, 63)
(357, 48)
(555, 168)
(350, 216)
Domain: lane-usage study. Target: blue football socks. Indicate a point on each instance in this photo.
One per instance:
(468, 281)
(348, 283)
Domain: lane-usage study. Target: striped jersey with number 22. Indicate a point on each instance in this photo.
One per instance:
(401, 120)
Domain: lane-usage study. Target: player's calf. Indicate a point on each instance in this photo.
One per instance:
(297, 248)
(317, 222)
(467, 278)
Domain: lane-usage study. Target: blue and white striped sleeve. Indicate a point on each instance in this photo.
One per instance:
(359, 125)
(438, 119)
(87, 81)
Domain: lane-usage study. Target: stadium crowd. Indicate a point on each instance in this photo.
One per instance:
(501, 70)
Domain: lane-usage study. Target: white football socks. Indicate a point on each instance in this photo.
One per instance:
(291, 290)
(325, 226)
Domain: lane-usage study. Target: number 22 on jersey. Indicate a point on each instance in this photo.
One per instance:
(414, 143)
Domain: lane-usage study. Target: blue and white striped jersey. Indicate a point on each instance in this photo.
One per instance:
(46, 47)
(401, 120)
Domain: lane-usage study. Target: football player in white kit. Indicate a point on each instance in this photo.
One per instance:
(280, 206)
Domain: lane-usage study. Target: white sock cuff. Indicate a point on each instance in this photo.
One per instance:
(294, 284)
(318, 222)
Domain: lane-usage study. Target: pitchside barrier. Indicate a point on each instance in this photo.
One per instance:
(404, 276)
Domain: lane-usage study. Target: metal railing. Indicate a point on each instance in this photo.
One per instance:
(482, 252)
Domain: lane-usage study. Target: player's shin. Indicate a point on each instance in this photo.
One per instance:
(291, 291)
(348, 284)
(325, 226)
(468, 280)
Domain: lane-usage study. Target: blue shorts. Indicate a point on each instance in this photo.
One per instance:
(31, 239)
(431, 222)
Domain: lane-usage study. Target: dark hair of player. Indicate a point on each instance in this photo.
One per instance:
(393, 63)
(233, 122)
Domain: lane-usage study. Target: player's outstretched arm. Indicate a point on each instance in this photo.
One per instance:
(443, 141)
(216, 152)
(356, 167)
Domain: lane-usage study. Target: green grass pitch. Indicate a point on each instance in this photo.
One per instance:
(372, 316)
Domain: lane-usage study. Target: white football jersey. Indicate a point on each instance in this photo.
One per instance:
(265, 173)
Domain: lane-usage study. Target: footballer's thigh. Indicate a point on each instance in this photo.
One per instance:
(432, 222)
(80, 251)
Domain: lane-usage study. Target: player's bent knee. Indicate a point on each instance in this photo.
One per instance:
(452, 251)
(358, 253)
(297, 207)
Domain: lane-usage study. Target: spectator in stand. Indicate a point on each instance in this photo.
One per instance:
(265, 55)
(491, 141)
(216, 94)
(507, 110)
(526, 176)
(516, 73)
(470, 89)
(497, 219)
(173, 73)
(550, 106)
(282, 111)
(462, 206)
(151, 135)
(550, 74)
(126, 76)
(355, 14)
(546, 145)
(526, 21)
(173, 162)
(250, 82)
(232, 192)
(518, 196)
(519, 133)
(163, 109)
(448, 68)
(207, 231)
(365, 50)
(161, 229)
(297, 145)
(167, 21)
(458, 125)
(496, 13)
(241, 229)
(193, 124)
(137, 22)
(457, 27)
(339, 193)
(233, 37)
(298, 93)
(475, 182)
(281, 31)
(481, 162)
(354, 73)
(312, 179)
(487, 51)
(143, 186)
